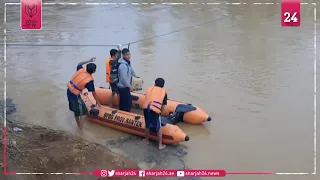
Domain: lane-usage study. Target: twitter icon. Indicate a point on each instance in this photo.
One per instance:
(111, 173)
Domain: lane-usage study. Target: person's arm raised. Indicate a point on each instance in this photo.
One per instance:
(85, 62)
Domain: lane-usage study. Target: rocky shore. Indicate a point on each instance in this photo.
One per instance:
(33, 149)
(39, 149)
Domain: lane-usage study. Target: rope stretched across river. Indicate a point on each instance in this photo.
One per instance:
(114, 45)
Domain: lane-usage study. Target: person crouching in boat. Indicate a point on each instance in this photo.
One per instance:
(155, 101)
(114, 54)
(81, 79)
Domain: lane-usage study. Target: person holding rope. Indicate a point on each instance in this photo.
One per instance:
(81, 79)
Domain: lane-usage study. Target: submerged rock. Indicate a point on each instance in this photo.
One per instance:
(11, 107)
(148, 156)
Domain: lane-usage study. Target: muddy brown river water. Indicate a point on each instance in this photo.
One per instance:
(254, 77)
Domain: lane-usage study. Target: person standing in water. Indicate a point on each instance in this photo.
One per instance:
(81, 79)
(155, 101)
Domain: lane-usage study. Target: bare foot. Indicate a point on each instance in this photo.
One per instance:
(162, 146)
(79, 132)
(146, 140)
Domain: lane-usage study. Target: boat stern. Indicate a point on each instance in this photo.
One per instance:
(195, 117)
(175, 133)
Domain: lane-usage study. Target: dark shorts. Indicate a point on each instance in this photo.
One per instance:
(78, 107)
(152, 120)
(114, 88)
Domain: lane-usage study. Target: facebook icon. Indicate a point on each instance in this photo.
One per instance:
(142, 173)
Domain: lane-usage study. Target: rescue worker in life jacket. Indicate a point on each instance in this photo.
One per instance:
(81, 79)
(155, 101)
(125, 73)
(115, 90)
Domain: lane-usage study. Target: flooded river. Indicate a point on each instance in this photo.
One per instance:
(254, 77)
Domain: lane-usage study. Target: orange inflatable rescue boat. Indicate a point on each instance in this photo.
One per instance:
(191, 114)
(130, 122)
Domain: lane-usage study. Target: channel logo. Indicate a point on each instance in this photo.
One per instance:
(180, 173)
(142, 174)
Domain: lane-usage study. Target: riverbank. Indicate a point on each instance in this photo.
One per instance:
(39, 149)
(33, 148)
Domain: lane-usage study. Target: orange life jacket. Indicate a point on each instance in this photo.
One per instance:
(154, 99)
(108, 70)
(79, 81)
